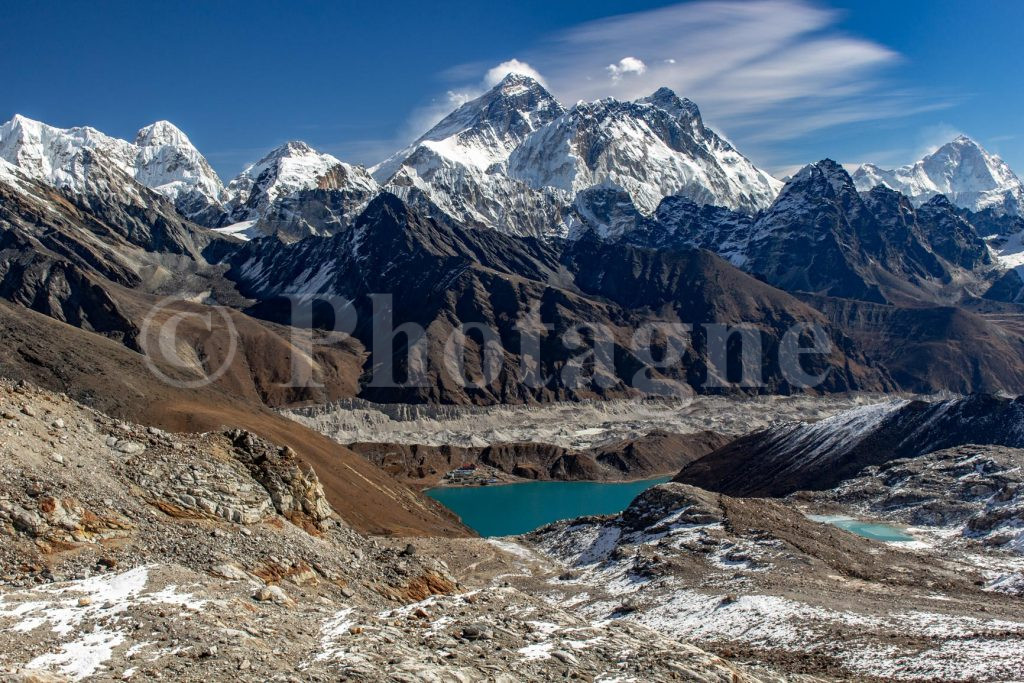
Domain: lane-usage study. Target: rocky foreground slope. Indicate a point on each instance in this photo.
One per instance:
(132, 553)
(757, 579)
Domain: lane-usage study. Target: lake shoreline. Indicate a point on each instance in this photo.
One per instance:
(515, 481)
(508, 510)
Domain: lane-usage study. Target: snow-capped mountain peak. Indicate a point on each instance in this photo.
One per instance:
(961, 169)
(514, 159)
(459, 164)
(286, 170)
(483, 131)
(667, 100)
(162, 133)
(291, 167)
(169, 163)
(162, 158)
(55, 155)
(652, 148)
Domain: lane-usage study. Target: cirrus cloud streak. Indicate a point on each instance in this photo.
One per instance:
(767, 72)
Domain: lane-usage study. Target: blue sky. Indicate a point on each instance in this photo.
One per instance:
(788, 81)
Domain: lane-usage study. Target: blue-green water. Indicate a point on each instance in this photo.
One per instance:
(517, 508)
(872, 530)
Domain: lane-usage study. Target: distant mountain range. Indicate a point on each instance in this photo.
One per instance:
(961, 170)
(609, 212)
(162, 158)
(513, 159)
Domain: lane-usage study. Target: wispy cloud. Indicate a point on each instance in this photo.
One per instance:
(763, 70)
(774, 67)
(512, 66)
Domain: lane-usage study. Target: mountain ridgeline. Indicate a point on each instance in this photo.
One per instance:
(802, 456)
(608, 215)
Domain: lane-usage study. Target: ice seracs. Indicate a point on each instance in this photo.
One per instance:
(962, 170)
(161, 158)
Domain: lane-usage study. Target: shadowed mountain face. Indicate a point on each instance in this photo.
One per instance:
(929, 349)
(61, 252)
(822, 236)
(817, 456)
(81, 274)
(443, 275)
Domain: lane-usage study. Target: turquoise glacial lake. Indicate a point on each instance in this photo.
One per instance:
(872, 530)
(506, 509)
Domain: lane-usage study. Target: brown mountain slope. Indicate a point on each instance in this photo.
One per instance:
(101, 372)
(442, 274)
(934, 348)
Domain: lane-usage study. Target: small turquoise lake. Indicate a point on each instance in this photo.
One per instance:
(507, 509)
(873, 530)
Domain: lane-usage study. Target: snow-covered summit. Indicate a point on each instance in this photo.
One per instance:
(286, 170)
(161, 158)
(962, 170)
(654, 147)
(162, 133)
(55, 155)
(667, 100)
(514, 159)
(481, 132)
(458, 165)
(169, 163)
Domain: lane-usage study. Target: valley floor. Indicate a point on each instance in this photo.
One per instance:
(601, 441)
(568, 425)
(130, 553)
